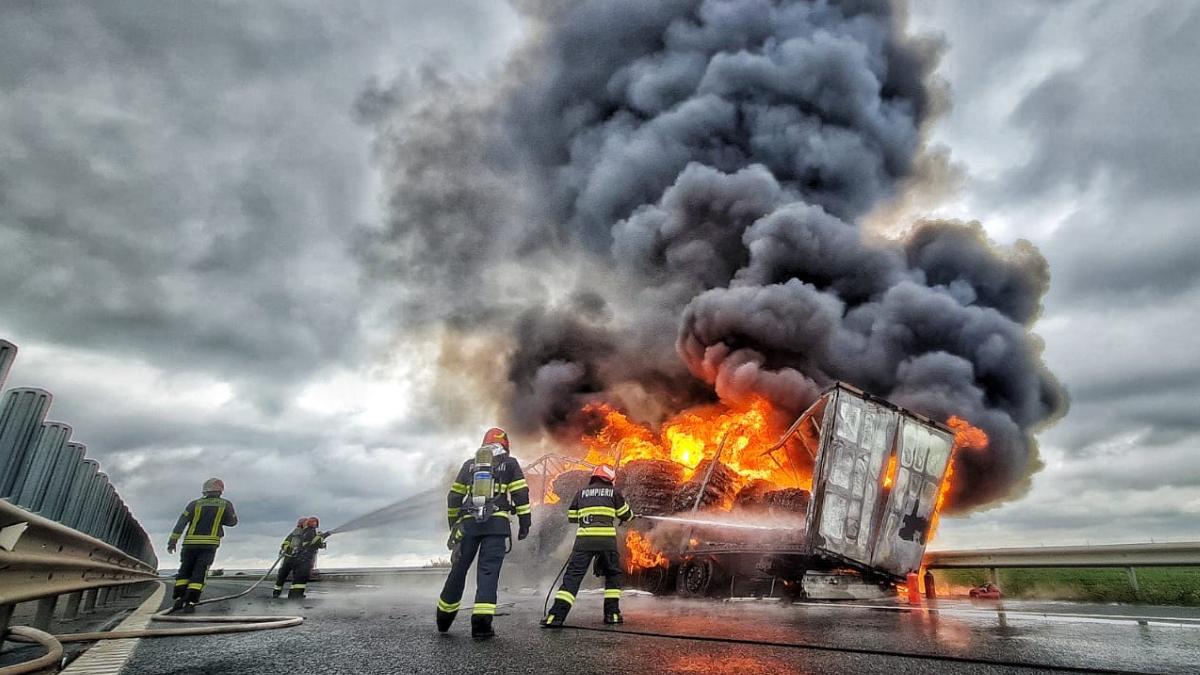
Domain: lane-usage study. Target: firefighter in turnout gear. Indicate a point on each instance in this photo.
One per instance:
(488, 492)
(201, 525)
(299, 552)
(598, 508)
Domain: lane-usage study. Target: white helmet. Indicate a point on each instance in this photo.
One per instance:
(214, 485)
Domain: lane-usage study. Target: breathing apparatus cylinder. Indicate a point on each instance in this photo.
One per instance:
(480, 502)
(484, 484)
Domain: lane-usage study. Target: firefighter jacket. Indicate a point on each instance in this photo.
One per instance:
(302, 543)
(511, 497)
(203, 522)
(597, 509)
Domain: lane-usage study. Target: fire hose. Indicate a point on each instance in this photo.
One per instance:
(233, 624)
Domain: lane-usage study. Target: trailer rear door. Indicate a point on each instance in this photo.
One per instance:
(923, 454)
(847, 483)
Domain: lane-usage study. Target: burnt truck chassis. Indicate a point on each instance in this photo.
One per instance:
(860, 537)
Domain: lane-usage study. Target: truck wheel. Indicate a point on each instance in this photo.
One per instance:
(656, 580)
(695, 578)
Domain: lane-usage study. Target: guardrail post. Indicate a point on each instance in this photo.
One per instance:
(8, 354)
(45, 612)
(71, 612)
(21, 419)
(993, 576)
(6, 612)
(89, 600)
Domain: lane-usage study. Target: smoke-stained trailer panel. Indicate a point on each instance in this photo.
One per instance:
(854, 517)
(923, 455)
(856, 442)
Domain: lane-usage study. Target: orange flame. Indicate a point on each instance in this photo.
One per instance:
(692, 436)
(641, 554)
(890, 475)
(551, 497)
(966, 437)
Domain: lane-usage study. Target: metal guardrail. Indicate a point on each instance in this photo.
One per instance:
(1173, 554)
(41, 558)
(64, 529)
(43, 472)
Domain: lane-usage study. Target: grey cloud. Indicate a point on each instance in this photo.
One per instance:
(1078, 113)
(181, 189)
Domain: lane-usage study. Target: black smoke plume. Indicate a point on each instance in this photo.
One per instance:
(659, 204)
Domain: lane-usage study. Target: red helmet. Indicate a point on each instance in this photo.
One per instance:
(605, 472)
(495, 435)
(313, 522)
(301, 521)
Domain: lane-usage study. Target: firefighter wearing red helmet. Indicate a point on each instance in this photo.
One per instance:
(488, 492)
(597, 508)
(299, 553)
(201, 526)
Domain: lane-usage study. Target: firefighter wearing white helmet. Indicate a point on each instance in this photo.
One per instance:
(201, 526)
(598, 508)
(489, 491)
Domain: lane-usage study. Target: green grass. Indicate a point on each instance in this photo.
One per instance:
(1159, 585)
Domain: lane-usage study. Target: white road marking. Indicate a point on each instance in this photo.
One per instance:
(1190, 622)
(108, 657)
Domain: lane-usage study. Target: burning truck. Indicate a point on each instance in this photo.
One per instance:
(840, 505)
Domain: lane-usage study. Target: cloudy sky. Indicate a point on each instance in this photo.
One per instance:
(182, 192)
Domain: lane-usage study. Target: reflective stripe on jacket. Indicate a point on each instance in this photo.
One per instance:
(203, 522)
(511, 498)
(598, 508)
(302, 543)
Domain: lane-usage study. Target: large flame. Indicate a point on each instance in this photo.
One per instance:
(742, 435)
(966, 437)
(641, 554)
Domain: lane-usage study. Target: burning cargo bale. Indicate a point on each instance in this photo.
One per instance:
(753, 496)
(650, 485)
(567, 484)
(718, 493)
(790, 501)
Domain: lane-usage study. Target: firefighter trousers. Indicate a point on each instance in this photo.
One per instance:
(607, 565)
(489, 549)
(193, 567)
(299, 569)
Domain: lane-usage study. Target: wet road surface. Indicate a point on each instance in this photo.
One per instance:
(388, 628)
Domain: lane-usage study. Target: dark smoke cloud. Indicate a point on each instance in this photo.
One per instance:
(659, 204)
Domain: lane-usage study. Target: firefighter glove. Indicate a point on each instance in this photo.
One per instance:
(522, 531)
(171, 546)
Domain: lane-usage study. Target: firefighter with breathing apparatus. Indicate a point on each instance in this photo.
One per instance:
(201, 525)
(597, 508)
(488, 492)
(299, 552)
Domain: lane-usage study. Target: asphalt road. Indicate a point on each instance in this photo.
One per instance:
(368, 628)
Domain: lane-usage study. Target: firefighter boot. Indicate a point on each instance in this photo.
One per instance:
(294, 593)
(612, 611)
(481, 626)
(557, 615)
(275, 592)
(189, 608)
(444, 619)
